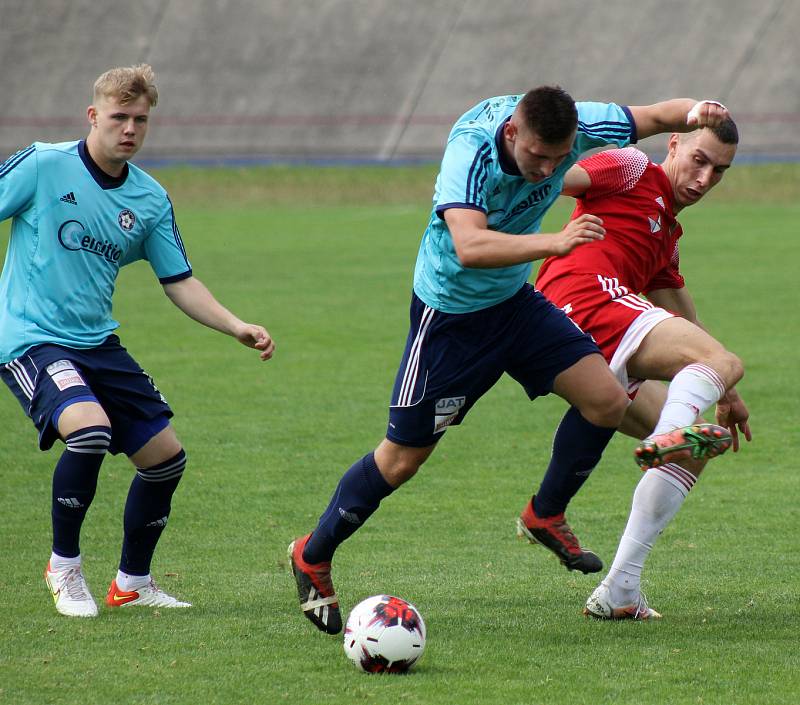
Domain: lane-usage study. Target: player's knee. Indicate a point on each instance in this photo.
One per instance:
(608, 410)
(397, 463)
(734, 369)
(400, 471)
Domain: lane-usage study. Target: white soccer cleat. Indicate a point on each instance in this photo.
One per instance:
(70, 592)
(600, 606)
(149, 595)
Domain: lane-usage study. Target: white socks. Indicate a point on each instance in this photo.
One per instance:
(60, 563)
(658, 497)
(693, 390)
(127, 582)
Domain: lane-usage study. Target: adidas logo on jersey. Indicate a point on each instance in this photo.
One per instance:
(69, 198)
(655, 225)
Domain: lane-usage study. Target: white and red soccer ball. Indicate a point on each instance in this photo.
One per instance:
(384, 634)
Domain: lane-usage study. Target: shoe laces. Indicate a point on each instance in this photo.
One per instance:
(642, 609)
(559, 526)
(151, 593)
(75, 584)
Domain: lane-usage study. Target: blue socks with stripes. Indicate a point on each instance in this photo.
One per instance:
(577, 448)
(146, 512)
(74, 485)
(357, 496)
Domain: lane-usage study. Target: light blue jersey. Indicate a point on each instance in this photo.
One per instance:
(476, 175)
(74, 227)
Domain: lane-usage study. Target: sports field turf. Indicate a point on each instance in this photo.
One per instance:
(330, 278)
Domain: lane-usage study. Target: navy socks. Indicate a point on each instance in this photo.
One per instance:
(74, 485)
(146, 512)
(577, 448)
(356, 497)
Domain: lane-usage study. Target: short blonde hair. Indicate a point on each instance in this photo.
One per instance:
(127, 83)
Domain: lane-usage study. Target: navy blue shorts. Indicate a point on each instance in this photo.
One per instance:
(48, 378)
(452, 360)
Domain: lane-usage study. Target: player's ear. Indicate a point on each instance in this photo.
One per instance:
(510, 130)
(91, 114)
(672, 145)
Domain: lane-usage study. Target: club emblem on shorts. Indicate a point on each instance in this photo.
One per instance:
(446, 412)
(126, 220)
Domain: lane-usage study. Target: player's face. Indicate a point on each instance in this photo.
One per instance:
(535, 158)
(118, 130)
(698, 163)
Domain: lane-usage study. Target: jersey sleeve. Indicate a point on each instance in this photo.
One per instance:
(18, 176)
(163, 248)
(600, 124)
(614, 171)
(668, 278)
(462, 181)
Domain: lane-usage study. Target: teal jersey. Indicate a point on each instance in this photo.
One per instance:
(73, 227)
(475, 174)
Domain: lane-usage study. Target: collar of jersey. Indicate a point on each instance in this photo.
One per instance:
(104, 181)
(509, 166)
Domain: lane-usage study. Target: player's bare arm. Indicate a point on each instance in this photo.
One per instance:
(479, 247)
(192, 297)
(576, 182)
(677, 115)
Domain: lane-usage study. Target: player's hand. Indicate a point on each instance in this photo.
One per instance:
(257, 337)
(585, 228)
(707, 113)
(733, 415)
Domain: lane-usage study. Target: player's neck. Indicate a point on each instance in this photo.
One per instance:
(113, 168)
(666, 165)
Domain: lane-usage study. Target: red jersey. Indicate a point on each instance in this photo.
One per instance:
(634, 198)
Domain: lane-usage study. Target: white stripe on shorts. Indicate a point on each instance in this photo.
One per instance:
(412, 366)
(21, 375)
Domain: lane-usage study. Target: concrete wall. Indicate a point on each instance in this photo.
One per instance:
(383, 79)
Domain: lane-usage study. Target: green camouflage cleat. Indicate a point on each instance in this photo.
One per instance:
(704, 440)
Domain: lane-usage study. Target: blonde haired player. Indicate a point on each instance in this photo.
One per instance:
(81, 212)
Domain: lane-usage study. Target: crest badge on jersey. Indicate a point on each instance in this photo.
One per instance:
(126, 219)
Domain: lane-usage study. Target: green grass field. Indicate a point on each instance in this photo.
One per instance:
(267, 442)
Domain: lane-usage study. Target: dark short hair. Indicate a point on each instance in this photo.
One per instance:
(726, 132)
(550, 113)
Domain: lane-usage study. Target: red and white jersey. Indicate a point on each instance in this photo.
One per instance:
(634, 198)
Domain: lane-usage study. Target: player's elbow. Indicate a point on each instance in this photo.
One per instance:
(468, 251)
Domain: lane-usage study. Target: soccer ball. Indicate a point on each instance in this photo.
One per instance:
(384, 634)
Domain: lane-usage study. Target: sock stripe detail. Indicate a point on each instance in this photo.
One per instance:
(686, 479)
(709, 373)
(92, 441)
(168, 470)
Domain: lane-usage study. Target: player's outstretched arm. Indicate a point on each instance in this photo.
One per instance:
(479, 247)
(192, 297)
(677, 115)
